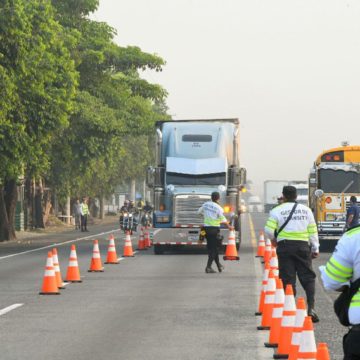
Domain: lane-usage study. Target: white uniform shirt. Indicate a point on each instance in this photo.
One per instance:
(302, 225)
(213, 214)
(343, 266)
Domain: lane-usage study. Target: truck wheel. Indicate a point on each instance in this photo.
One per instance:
(158, 250)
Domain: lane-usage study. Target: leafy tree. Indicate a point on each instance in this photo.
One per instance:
(39, 80)
(114, 109)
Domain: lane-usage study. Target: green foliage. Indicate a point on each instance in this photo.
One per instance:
(107, 140)
(38, 78)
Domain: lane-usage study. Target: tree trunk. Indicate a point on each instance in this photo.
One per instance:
(8, 197)
(102, 207)
(48, 206)
(4, 223)
(132, 189)
(39, 220)
(10, 201)
(68, 210)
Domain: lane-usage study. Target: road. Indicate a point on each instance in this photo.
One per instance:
(146, 307)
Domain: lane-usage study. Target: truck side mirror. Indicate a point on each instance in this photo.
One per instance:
(150, 171)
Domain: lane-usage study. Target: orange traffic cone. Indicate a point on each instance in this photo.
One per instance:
(268, 251)
(261, 245)
(287, 324)
(112, 257)
(49, 286)
(147, 238)
(73, 272)
(307, 347)
(268, 303)
(128, 251)
(263, 289)
(299, 323)
(59, 281)
(141, 243)
(274, 336)
(274, 263)
(231, 252)
(322, 352)
(95, 264)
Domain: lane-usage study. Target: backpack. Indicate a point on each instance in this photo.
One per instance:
(342, 303)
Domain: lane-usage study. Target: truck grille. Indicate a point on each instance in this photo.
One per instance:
(186, 207)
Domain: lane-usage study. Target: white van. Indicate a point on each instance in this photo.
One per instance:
(255, 204)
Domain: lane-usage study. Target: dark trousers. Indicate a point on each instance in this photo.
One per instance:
(83, 222)
(351, 344)
(295, 259)
(212, 245)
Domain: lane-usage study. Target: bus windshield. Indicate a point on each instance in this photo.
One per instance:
(186, 179)
(336, 181)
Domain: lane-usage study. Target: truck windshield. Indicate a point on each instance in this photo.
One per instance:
(205, 179)
(335, 181)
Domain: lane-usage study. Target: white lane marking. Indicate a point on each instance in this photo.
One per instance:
(58, 244)
(9, 308)
(156, 231)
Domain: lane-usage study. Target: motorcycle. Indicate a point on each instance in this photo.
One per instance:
(146, 220)
(128, 222)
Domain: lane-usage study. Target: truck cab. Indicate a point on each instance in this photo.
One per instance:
(194, 158)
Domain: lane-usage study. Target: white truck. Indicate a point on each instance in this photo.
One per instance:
(272, 191)
(193, 159)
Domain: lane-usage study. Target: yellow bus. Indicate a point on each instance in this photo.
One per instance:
(334, 177)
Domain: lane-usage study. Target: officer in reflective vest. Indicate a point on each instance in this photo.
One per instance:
(213, 218)
(296, 244)
(342, 267)
(84, 214)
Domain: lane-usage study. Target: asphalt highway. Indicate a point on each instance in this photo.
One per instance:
(146, 307)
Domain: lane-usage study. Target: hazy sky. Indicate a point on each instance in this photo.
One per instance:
(289, 70)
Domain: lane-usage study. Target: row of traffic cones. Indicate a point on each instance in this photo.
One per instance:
(52, 281)
(291, 330)
(144, 239)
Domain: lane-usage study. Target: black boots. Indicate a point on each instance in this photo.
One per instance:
(209, 270)
(313, 314)
(220, 267)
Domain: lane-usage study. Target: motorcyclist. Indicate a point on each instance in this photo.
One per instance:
(132, 208)
(147, 207)
(125, 207)
(146, 218)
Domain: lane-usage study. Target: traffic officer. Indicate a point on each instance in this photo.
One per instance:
(343, 266)
(213, 218)
(293, 249)
(84, 214)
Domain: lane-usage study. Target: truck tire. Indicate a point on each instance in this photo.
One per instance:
(158, 250)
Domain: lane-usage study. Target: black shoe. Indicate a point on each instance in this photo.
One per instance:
(221, 268)
(314, 316)
(210, 270)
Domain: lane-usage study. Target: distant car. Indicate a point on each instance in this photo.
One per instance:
(255, 204)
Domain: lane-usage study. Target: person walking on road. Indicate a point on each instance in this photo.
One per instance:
(291, 226)
(213, 218)
(352, 214)
(344, 267)
(84, 214)
(77, 214)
